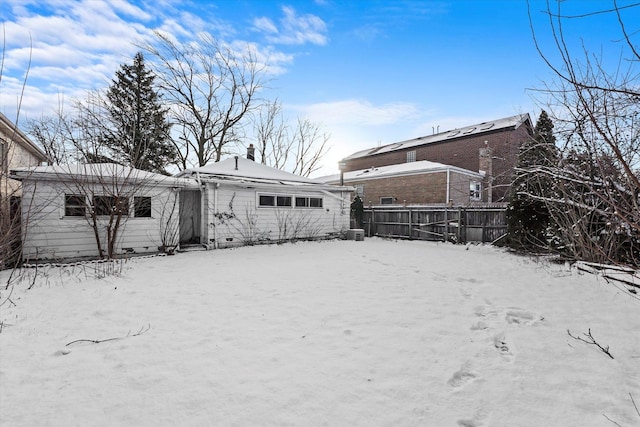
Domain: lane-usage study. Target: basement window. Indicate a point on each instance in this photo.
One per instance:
(110, 205)
(386, 200)
(411, 156)
(75, 205)
(142, 207)
(475, 189)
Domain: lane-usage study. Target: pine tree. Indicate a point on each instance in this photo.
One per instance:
(528, 217)
(140, 131)
(357, 211)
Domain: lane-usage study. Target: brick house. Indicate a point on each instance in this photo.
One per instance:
(414, 183)
(490, 148)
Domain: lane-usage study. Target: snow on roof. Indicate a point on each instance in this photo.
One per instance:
(507, 122)
(245, 169)
(94, 171)
(422, 166)
(8, 127)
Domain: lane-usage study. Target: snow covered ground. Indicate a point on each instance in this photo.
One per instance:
(334, 333)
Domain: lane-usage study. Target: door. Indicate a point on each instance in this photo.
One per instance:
(189, 217)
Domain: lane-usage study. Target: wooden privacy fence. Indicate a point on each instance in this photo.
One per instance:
(458, 224)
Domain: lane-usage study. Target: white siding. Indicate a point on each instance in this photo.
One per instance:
(49, 234)
(238, 220)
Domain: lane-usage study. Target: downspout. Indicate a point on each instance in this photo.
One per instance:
(448, 185)
(203, 192)
(215, 202)
(202, 186)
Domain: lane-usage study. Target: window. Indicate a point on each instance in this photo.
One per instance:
(386, 200)
(142, 207)
(315, 202)
(475, 188)
(360, 190)
(308, 202)
(411, 156)
(283, 201)
(108, 205)
(267, 200)
(74, 205)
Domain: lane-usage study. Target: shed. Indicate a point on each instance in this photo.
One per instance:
(76, 211)
(241, 202)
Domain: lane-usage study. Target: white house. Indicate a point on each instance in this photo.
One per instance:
(242, 202)
(77, 211)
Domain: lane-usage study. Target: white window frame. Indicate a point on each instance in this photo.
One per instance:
(475, 191)
(276, 197)
(307, 204)
(84, 206)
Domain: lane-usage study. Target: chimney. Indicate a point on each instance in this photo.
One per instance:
(251, 151)
(486, 168)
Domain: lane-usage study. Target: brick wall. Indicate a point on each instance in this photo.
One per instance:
(463, 153)
(429, 188)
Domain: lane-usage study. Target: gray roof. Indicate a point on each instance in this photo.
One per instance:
(513, 122)
(239, 168)
(96, 172)
(400, 169)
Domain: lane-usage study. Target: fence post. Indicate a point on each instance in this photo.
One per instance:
(410, 225)
(373, 222)
(459, 230)
(445, 235)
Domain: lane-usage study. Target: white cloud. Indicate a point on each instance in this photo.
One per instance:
(294, 29)
(78, 45)
(265, 24)
(355, 111)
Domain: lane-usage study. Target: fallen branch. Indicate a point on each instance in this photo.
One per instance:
(604, 415)
(140, 332)
(591, 341)
(634, 404)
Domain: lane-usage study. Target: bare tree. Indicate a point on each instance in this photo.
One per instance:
(296, 149)
(211, 88)
(595, 200)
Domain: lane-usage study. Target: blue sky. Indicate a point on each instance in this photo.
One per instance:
(369, 71)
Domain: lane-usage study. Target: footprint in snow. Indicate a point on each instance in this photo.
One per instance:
(476, 421)
(500, 343)
(516, 316)
(462, 376)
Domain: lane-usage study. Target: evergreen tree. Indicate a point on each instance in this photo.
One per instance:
(140, 131)
(357, 210)
(528, 217)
